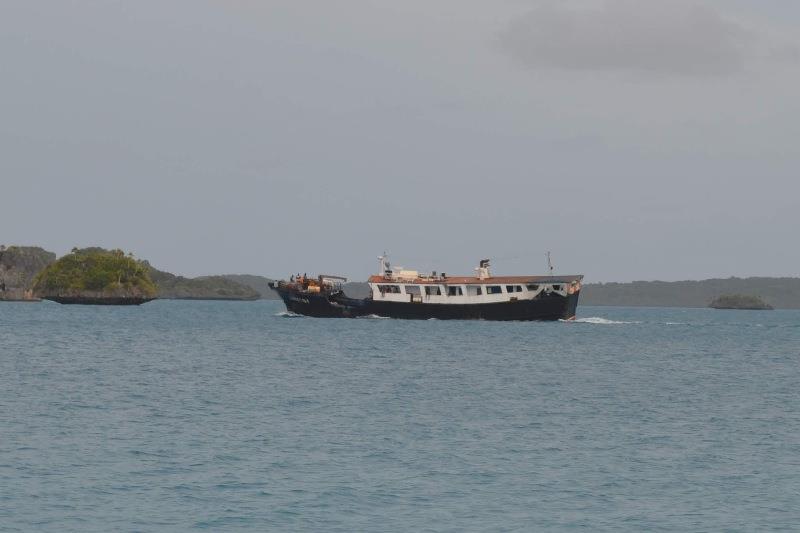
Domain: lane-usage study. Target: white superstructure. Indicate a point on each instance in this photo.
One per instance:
(409, 286)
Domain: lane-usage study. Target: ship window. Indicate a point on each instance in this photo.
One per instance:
(494, 289)
(413, 289)
(454, 291)
(509, 288)
(435, 290)
(391, 289)
(533, 288)
(474, 290)
(517, 288)
(556, 287)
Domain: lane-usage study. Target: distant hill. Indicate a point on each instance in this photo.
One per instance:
(259, 284)
(172, 287)
(781, 293)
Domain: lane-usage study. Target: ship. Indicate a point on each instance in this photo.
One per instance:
(408, 294)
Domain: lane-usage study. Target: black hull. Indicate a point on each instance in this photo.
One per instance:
(553, 307)
(548, 307)
(321, 305)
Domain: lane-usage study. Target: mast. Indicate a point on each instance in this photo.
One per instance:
(385, 267)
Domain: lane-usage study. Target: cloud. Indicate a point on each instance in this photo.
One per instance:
(674, 37)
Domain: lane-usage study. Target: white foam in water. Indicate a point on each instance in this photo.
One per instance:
(599, 320)
(373, 317)
(288, 314)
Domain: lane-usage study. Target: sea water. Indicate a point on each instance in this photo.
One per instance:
(226, 416)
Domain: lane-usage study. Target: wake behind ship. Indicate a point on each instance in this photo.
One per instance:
(399, 293)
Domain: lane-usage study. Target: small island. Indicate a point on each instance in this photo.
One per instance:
(94, 276)
(740, 301)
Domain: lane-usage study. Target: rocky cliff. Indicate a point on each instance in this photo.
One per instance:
(19, 265)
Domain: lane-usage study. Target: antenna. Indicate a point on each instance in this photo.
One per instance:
(549, 264)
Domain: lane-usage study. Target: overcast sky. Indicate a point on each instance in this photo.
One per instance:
(635, 139)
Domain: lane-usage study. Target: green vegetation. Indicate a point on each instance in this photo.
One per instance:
(175, 287)
(100, 273)
(97, 273)
(739, 301)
